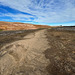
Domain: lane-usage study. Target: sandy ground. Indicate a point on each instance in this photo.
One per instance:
(25, 57)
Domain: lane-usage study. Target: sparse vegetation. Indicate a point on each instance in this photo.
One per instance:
(61, 53)
(11, 36)
(1, 29)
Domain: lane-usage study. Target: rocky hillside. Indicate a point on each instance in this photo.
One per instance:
(19, 26)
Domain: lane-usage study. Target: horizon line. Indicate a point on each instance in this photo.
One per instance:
(49, 24)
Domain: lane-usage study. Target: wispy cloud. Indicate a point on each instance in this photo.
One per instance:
(20, 17)
(42, 11)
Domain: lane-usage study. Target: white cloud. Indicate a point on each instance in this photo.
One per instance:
(48, 11)
(20, 17)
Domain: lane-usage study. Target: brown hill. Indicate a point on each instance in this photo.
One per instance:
(19, 26)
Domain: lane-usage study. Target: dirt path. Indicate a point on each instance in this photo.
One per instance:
(25, 57)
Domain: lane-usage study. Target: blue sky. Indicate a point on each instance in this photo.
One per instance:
(47, 12)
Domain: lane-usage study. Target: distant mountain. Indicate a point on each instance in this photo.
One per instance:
(20, 26)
